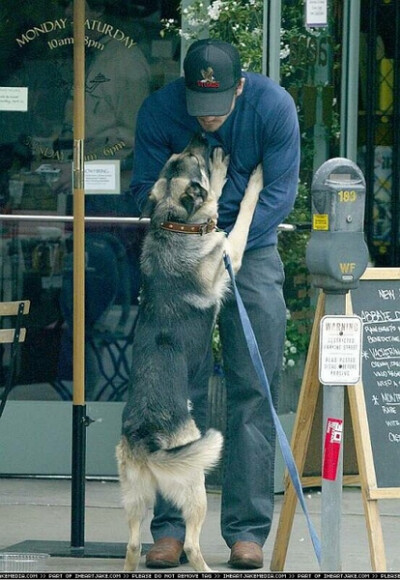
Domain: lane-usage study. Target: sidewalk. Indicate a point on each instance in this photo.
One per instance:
(39, 509)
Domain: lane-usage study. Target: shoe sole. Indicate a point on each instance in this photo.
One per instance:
(246, 565)
(162, 564)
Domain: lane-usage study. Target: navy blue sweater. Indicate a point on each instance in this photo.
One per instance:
(263, 127)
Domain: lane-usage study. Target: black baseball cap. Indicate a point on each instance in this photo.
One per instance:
(212, 73)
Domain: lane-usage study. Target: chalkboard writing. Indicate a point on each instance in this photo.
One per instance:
(377, 302)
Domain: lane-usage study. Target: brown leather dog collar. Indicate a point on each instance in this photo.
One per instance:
(179, 228)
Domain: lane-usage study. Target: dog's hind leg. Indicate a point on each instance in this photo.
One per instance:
(138, 491)
(139, 495)
(194, 512)
(135, 505)
(134, 547)
(190, 497)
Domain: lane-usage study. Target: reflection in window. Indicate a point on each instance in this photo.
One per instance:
(126, 59)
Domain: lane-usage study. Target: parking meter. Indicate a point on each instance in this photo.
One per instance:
(337, 254)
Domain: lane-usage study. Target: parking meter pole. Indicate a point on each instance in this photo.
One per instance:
(331, 497)
(336, 256)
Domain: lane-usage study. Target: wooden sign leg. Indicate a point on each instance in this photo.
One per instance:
(300, 439)
(367, 478)
(375, 534)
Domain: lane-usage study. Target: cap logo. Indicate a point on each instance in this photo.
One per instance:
(208, 81)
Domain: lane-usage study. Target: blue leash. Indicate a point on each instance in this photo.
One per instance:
(283, 442)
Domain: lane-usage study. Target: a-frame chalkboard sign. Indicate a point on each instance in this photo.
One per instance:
(374, 408)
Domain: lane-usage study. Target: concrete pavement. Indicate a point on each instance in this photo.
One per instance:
(39, 511)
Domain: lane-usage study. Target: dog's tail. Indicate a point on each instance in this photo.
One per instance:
(181, 462)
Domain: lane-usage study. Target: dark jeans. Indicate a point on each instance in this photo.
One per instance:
(249, 454)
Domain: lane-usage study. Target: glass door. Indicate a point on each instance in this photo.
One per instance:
(126, 59)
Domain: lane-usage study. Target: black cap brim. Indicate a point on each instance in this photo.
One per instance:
(201, 104)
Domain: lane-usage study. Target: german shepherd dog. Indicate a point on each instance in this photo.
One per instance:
(183, 283)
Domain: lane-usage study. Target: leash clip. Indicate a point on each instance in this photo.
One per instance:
(203, 229)
(207, 227)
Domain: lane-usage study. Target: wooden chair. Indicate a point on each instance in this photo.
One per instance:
(13, 336)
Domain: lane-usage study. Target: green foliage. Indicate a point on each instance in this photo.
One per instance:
(292, 247)
(239, 22)
(217, 346)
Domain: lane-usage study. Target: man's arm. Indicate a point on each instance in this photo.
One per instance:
(281, 162)
(151, 153)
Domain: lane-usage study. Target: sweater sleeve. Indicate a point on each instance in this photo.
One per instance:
(281, 161)
(152, 150)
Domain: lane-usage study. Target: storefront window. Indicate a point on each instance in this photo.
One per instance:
(126, 59)
(378, 145)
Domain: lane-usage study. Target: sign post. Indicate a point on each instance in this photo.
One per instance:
(336, 257)
(373, 409)
(79, 408)
(339, 365)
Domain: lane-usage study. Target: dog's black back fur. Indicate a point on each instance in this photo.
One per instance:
(158, 406)
(157, 400)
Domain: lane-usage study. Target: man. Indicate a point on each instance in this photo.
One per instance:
(254, 120)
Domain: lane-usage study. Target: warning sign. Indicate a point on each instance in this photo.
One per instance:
(340, 350)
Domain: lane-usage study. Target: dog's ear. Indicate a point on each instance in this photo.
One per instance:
(148, 208)
(194, 197)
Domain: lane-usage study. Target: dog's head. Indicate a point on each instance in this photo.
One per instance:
(182, 191)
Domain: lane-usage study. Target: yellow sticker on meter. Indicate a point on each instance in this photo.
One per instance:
(321, 221)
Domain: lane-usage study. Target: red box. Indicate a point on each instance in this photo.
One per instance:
(332, 443)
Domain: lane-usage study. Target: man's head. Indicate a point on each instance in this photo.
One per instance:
(212, 77)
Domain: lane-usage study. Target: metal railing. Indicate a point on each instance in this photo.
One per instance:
(120, 220)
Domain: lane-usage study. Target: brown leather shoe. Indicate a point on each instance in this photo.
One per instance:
(246, 555)
(165, 553)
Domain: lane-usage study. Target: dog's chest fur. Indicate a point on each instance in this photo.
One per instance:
(181, 271)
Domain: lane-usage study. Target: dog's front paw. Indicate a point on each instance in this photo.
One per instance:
(219, 160)
(219, 167)
(219, 163)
